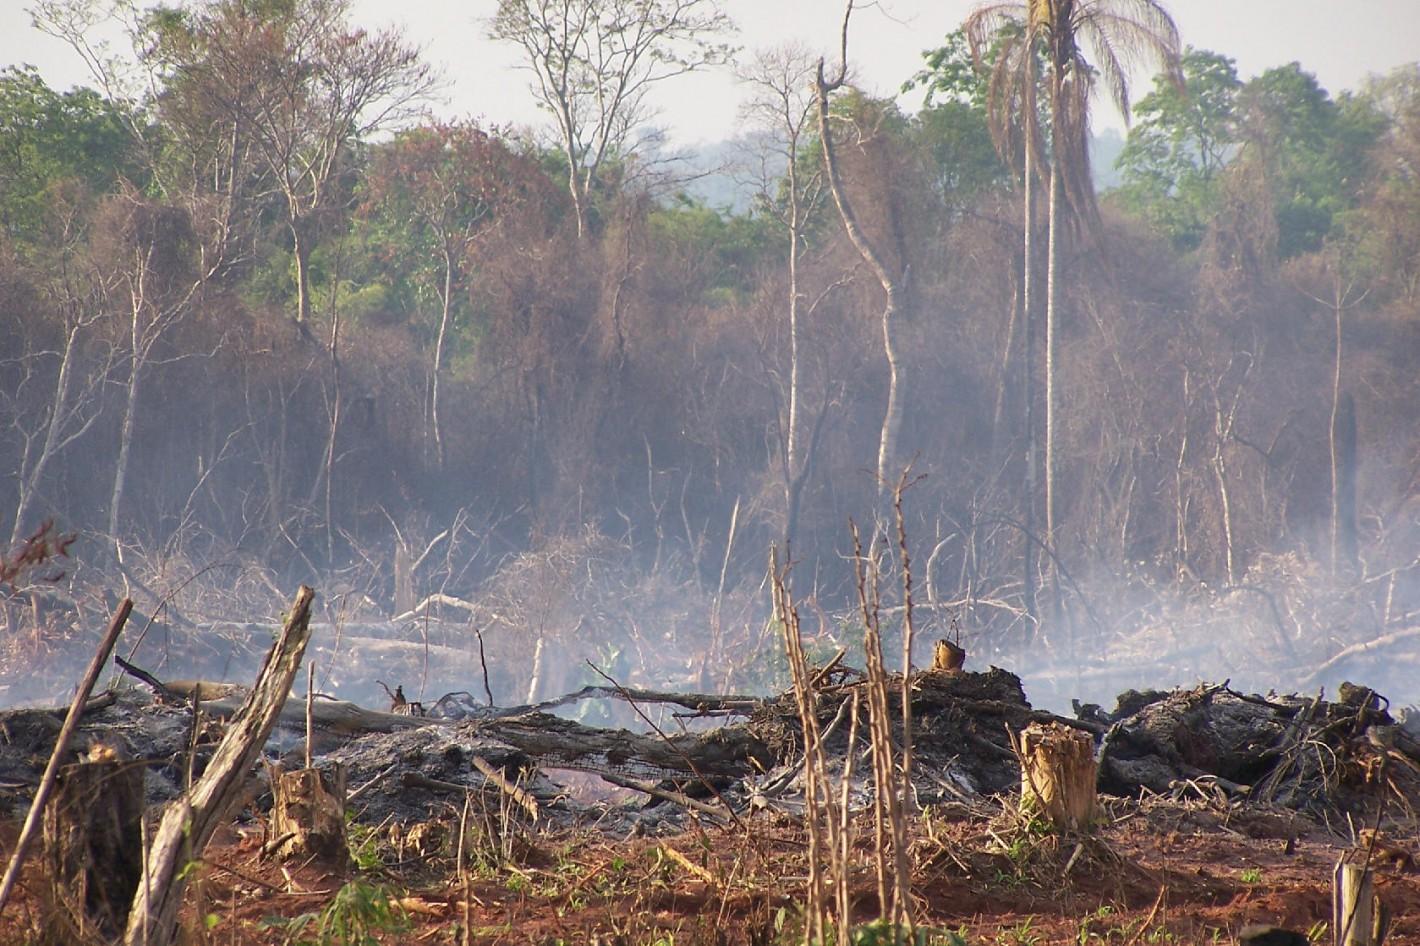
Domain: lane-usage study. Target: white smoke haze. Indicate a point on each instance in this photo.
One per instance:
(552, 618)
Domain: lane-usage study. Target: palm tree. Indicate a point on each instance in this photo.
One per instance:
(1013, 109)
(1079, 43)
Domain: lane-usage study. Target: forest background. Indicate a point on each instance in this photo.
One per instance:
(265, 319)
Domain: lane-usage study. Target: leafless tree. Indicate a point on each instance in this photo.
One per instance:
(891, 282)
(594, 63)
(782, 107)
(57, 393)
(146, 263)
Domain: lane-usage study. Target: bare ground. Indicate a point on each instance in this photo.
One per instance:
(1154, 871)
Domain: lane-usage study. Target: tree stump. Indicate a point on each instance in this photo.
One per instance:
(93, 848)
(308, 814)
(948, 657)
(1058, 773)
(1358, 918)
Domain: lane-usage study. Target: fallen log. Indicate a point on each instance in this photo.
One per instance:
(223, 700)
(553, 742)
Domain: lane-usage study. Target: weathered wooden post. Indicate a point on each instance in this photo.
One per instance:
(1058, 774)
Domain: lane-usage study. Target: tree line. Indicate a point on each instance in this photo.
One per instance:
(258, 302)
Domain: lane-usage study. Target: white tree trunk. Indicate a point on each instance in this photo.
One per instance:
(125, 444)
(444, 318)
(55, 437)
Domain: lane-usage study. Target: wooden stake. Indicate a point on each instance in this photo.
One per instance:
(310, 710)
(71, 721)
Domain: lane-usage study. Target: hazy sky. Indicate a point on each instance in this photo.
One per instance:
(1341, 41)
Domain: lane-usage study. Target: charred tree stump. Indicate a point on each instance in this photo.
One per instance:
(1058, 774)
(1358, 918)
(308, 814)
(948, 657)
(92, 848)
(61, 742)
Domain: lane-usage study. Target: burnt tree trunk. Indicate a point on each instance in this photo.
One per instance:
(93, 849)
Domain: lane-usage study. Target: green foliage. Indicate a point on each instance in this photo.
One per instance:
(1023, 933)
(1307, 146)
(1182, 141)
(1282, 127)
(52, 140)
(951, 75)
(952, 131)
(721, 252)
(954, 141)
(365, 844)
(355, 916)
(881, 933)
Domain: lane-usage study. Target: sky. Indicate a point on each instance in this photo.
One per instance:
(1341, 41)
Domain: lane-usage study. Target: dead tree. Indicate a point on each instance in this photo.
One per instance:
(188, 822)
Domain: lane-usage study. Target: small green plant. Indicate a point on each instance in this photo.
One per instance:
(1023, 933)
(355, 915)
(1252, 875)
(364, 844)
(1087, 932)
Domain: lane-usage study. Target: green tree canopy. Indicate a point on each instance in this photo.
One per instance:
(952, 130)
(50, 139)
(1307, 147)
(1183, 139)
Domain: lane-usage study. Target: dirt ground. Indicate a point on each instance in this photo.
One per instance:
(1154, 871)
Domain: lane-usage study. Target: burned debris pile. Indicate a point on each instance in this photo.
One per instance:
(1306, 753)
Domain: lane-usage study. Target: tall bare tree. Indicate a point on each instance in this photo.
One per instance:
(147, 256)
(891, 281)
(782, 106)
(594, 63)
(56, 395)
